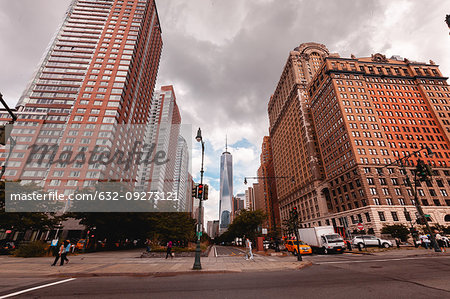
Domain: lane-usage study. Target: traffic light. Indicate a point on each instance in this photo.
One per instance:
(294, 213)
(200, 191)
(429, 170)
(205, 192)
(422, 220)
(423, 170)
(194, 191)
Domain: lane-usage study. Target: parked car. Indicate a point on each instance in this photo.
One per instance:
(368, 240)
(291, 246)
(81, 244)
(6, 247)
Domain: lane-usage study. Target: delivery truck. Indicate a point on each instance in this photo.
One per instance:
(322, 239)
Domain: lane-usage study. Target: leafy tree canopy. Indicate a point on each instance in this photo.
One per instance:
(22, 221)
(246, 223)
(396, 231)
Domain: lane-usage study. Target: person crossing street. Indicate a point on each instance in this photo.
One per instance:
(66, 252)
(248, 250)
(59, 255)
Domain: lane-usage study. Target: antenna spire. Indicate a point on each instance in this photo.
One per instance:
(226, 143)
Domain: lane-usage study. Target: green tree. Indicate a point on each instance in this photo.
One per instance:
(119, 226)
(398, 231)
(246, 223)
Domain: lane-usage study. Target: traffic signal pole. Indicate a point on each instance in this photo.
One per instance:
(294, 214)
(198, 250)
(417, 204)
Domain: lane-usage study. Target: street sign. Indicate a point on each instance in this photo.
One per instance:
(360, 226)
(264, 231)
(427, 215)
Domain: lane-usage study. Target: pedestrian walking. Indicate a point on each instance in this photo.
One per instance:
(349, 245)
(277, 245)
(64, 258)
(148, 242)
(430, 244)
(425, 241)
(441, 242)
(61, 251)
(169, 249)
(54, 247)
(248, 250)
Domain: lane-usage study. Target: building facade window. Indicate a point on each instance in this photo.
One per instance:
(394, 216)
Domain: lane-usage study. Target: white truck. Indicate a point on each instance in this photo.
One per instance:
(322, 239)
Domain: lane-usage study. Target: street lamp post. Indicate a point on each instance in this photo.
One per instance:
(297, 238)
(414, 191)
(197, 263)
(413, 231)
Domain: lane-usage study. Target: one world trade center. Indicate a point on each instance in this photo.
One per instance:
(226, 190)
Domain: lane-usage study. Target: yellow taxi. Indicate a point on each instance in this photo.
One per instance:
(291, 246)
(80, 244)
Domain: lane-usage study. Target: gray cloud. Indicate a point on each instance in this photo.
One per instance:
(26, 28)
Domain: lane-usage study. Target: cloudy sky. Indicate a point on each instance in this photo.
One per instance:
(224, 57)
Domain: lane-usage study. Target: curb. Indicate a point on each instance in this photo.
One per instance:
(306, 265)
(143, 274)
(359, 252)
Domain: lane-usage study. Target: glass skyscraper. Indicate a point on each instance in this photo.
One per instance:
(226, 190)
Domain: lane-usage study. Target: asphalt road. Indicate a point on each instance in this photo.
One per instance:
(222, 251)
(340, 276)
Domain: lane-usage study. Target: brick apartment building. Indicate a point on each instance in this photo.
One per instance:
(97, 76)
(267, 197)
(294, 146)
(362, 114)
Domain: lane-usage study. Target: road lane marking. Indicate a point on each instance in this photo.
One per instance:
(36, 288)
(369, 261)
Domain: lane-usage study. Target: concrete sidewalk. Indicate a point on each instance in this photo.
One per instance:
(115, 263)
(129, 263)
